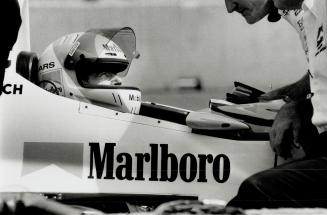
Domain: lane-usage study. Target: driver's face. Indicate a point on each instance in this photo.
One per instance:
(251, 10)
(104, 79)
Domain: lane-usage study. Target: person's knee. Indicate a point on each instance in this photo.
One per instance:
(251, 185)
(250, 194)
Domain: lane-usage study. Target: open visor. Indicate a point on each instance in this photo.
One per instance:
(102, 50)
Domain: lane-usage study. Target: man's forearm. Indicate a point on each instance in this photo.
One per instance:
(298, 90)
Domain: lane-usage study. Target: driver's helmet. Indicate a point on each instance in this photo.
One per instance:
(88, 66)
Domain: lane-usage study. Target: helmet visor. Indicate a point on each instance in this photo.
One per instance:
(102, 50)
(99, 73)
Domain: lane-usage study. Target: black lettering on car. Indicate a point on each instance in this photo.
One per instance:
(49, 65)
(189, 167)
(13, 89)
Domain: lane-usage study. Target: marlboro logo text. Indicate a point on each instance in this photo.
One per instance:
(109, 165)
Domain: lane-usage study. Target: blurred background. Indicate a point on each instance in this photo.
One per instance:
(192, 44)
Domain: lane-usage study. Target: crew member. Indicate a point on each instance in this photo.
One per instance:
(11, 21)
(302, 121)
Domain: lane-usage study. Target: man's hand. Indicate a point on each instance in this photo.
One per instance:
(284, 130)
(292, 127)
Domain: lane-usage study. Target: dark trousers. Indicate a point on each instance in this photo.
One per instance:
(10, 21)
(301, 183)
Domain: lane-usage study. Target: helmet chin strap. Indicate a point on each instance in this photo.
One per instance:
(273, 15)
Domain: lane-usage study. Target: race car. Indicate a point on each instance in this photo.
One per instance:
(71, 129)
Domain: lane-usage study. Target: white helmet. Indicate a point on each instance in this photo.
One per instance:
(87, 66)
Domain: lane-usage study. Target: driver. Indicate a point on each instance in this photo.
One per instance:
(302, 121)
(89, 66)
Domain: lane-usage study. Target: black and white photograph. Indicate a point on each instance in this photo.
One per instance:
(160, 107)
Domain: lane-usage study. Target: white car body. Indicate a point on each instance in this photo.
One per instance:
(52, 144)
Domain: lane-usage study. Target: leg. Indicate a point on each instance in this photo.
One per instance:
(297, 184)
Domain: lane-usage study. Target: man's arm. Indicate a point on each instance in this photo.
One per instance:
(10, 22)
(296, 91)
(292, 126)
